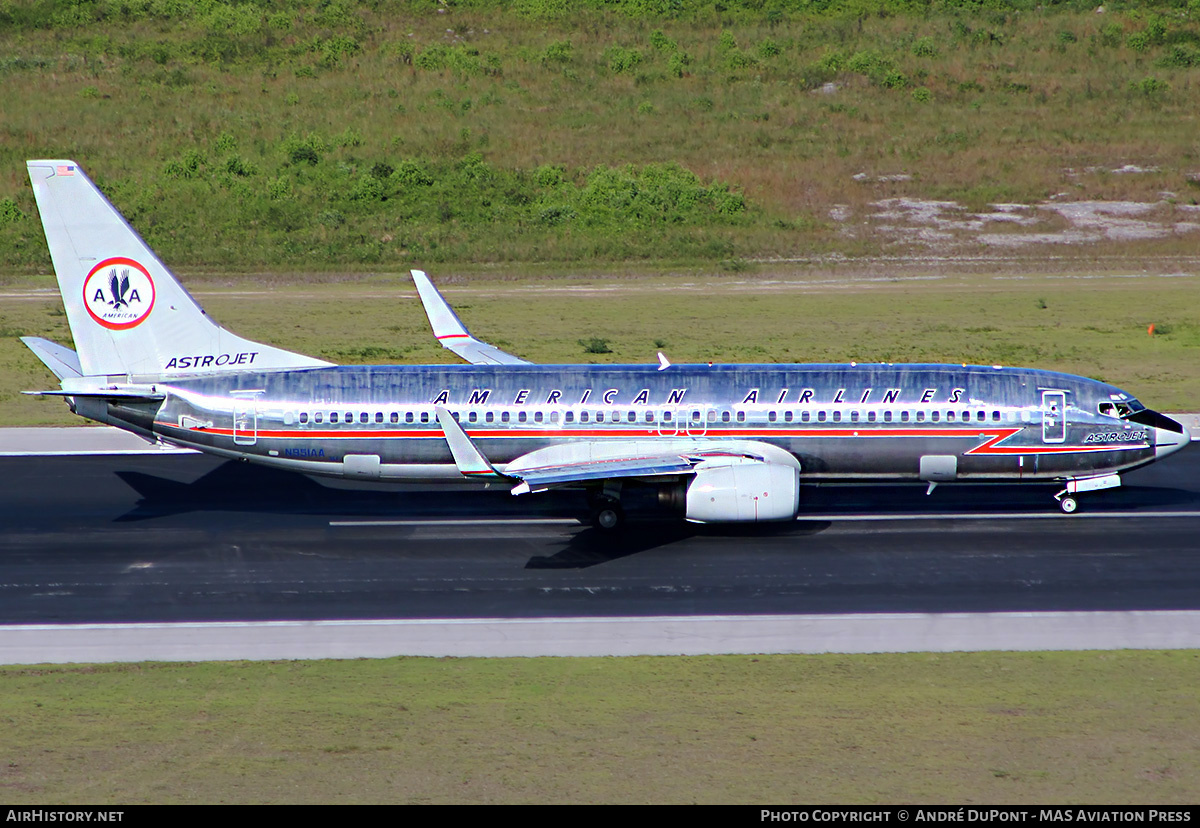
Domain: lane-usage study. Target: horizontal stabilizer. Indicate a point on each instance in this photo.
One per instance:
(125, 395)
(61, 360)
(452, 333)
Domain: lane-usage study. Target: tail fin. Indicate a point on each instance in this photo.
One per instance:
(128, 314)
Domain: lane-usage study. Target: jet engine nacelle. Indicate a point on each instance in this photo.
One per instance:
(743, 490)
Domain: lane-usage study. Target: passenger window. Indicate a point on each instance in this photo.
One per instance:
(504, 417)
(379, 416)
(490, 417)
(666, 416)
(472, 417)
(521, 417)
(805, 416)
(712, 415)
(408, 416)
(995, 416)
(424, 416)
(537, 416)
(837, 416)
(569, 417)
(583, 416)
(920, 416)
(318, 417)
(395, 417)
(949, 416)
(981, 415)
(554, 416)
(333, 416)
(724, 416)
(771, 416)
(649, 416)
(871, 416)
(821, 416)
(741, 416)
(933, 416)
(303, 417)
(904, 416)
(349, 417)
(854, 416)
(787, 416)
(633, 416)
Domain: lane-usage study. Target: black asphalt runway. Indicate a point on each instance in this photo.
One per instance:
(190, 538)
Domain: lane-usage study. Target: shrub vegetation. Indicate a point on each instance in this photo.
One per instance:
(313, 134)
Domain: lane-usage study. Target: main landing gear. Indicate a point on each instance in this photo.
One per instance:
(1067, 504)
(605, 508)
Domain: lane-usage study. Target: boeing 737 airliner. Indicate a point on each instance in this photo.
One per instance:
(719, 442)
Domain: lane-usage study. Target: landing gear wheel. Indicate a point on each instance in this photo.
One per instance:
(1068, 505)
(608, 516)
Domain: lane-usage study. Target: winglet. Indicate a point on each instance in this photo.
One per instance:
(663, 362)
(470, 460)
(452, 333)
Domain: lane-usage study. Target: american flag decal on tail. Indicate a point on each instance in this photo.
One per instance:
(64, 169)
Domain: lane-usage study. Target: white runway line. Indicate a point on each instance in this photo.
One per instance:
(673, 635)
(86, 440)
(464, 522)
(800, 519)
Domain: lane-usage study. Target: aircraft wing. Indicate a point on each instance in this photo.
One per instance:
(547, 477)
(452, 333)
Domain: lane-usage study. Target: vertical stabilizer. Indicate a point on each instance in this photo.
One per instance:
(128, 313)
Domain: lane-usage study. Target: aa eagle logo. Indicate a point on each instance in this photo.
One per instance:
(118, 293)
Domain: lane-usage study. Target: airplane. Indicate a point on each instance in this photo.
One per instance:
(717, 443)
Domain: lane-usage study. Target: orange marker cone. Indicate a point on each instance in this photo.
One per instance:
(1150, 330)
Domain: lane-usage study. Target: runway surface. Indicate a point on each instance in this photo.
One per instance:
(171, 538)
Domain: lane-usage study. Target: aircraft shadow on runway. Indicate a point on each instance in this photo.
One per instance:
(593, 546)
(241, 487)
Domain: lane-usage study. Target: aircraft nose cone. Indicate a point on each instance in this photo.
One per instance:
(1170, 436)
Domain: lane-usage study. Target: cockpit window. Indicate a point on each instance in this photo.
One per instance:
(1120, 409)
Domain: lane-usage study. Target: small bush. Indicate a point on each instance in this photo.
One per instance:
(240, 167)
(1111, 35)
(10, 212)
(768, 49)
(922, 95)
(925, 47)
(1150, 86)
(621, 60)
(558, 52)
(661, 42)
(595, 345)
(1138, 41)
(678, 64)
(188, 166)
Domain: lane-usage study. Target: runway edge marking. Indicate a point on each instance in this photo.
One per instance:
(618, 636)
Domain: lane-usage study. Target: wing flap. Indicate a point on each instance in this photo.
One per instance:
(545, 477)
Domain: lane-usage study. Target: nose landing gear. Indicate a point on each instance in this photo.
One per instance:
(1066, 498)
(1067, 504)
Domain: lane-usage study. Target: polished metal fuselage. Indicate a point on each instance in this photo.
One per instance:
(842, 422)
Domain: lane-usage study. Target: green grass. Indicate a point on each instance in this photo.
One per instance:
(1089, 325)
(347, 136)
(960, 728)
